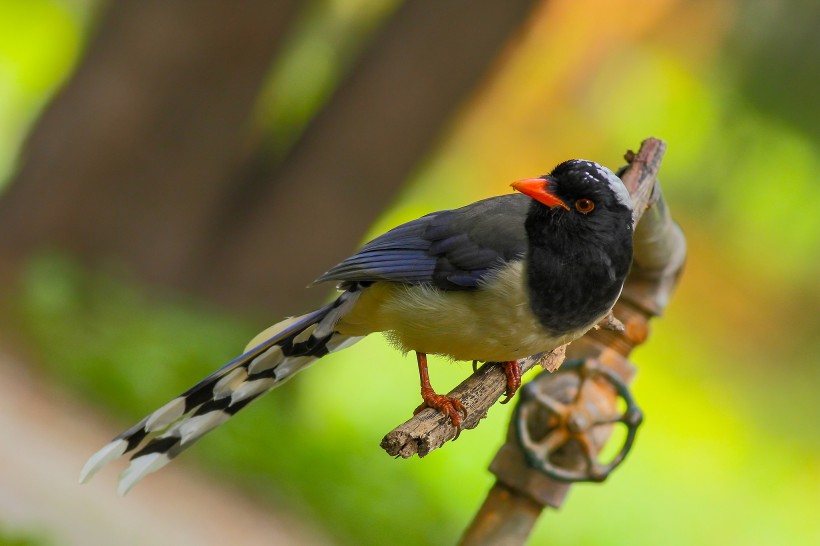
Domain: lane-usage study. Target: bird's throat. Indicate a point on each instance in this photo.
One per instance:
(571, 288)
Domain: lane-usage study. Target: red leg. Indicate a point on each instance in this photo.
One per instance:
(451, 407)
(513, 372)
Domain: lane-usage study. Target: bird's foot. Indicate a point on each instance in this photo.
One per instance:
(513, 372)
(449, 406)
(610, 322)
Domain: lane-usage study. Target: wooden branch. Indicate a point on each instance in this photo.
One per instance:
(429, 429)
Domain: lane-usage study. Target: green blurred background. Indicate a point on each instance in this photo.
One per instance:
(730, 449)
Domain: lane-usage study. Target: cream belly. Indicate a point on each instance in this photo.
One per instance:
(493, 323)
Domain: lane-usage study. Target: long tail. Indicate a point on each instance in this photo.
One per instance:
(272, 358)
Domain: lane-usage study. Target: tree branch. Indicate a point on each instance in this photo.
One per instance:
(429, 429)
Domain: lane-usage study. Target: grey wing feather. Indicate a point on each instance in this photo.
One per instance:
(452, 249)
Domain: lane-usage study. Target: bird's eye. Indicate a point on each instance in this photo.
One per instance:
(584, 206)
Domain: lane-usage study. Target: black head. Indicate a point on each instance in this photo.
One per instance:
(579, 237)
(581, 197)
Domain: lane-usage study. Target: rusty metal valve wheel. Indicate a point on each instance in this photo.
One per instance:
(574, 413)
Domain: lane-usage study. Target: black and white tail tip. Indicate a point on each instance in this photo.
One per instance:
(272, 357)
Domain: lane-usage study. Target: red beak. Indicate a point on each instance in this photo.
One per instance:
(537, 189)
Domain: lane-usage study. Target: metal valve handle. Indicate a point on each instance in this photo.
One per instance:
(571, 402)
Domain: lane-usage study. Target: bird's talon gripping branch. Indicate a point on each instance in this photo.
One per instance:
(449, 406)
(513, 372)
(611, 322)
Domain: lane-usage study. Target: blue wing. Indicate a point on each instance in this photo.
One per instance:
(452, 249)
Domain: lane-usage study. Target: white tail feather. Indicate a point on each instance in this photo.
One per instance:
(110, 452)
(267, 360)
(138, 469)
(252, 388)
(194, 427)
(273, 357)
(228, 384)
(166, 415)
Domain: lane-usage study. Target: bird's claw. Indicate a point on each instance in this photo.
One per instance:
(513, 372)
(449, 406)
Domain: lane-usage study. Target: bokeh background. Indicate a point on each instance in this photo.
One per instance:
(174, 172)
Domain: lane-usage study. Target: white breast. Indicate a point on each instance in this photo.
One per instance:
(493, 323)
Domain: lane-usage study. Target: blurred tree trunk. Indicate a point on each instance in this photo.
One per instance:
(380, 123)
(133, 153)
(146, 156)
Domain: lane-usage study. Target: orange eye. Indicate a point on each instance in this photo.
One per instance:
(584, 206)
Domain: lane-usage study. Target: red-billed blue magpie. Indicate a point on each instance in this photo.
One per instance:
(498, 280)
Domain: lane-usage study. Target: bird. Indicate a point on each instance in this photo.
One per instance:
(497, 280)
